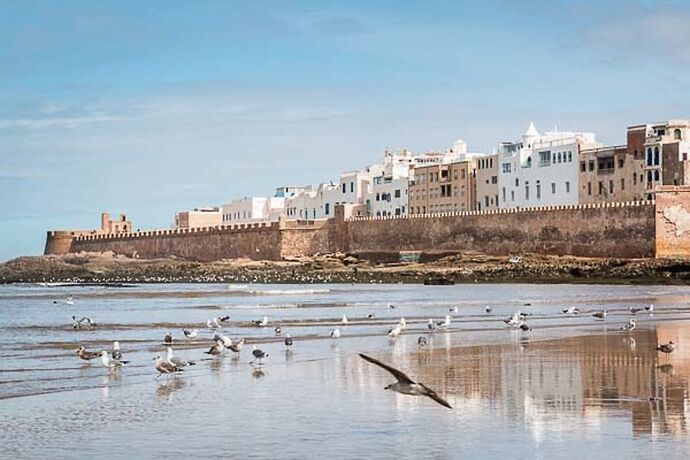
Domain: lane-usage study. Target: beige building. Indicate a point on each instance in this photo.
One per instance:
(487, 183)
(114, 226)
(199, 217)
(610, 174)
(666, 148)
(440, 188)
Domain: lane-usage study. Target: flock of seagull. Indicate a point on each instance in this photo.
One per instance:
(171, 364)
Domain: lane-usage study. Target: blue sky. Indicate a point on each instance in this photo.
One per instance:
(151, 107)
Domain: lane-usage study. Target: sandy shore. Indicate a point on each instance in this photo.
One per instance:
(341, 268)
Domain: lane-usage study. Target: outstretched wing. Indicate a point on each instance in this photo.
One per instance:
(400, 376)
(432, 394)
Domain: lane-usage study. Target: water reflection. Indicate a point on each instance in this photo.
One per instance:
(549, 385)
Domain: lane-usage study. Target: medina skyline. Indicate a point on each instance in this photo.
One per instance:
(124, 107)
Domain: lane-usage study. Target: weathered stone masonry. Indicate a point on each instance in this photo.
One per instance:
(623, 230)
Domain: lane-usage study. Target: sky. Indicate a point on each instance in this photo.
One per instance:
(150, 107)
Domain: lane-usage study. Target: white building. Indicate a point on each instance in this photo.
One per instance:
(541, 169)
(253, 209)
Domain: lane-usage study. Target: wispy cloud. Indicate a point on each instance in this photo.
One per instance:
(60, 121)
(647, 37)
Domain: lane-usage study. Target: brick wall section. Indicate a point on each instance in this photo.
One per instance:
(673, 222)
(603, 230)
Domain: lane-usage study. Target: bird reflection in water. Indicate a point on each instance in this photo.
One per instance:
(166, 390)
(666, 369)
(215, 365)
(258, 372)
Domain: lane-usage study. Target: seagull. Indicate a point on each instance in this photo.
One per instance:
(223, 319)
(168, 338)
(335, 333)
(371, 316)
(344, 320)
(453, 310)
(524, 327)
(630, 326)
(78, 322)
(514, 320)
(190, 335)
(391, 306)
(666, 347)
(571, 311)
(487, 309)
(110, 362)
(600, 314)
(261, 322)
(258, 355)
(212, 323)
(116, 354)
(445, 323)
(224, 339)
(87, 355)
(650, 308)
(395, 331)
(405, 385)
(403, 323)
(69, 300)
(175, 361)
(431, 325)
(634, 310)
(216, 349)
(278, 331)
(526, 304)
(422, 341)
(236, 347)
(288, 341)
(165, 367)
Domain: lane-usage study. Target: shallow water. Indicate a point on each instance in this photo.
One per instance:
(572, 387)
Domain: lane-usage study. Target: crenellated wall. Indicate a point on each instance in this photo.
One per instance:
(621, 230)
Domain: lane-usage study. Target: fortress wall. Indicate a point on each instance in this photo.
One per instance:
(673, 222)
(624, 230)
(253, 241)
(300, 238)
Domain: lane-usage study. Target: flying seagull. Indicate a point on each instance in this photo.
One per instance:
(405, 385)
(87, 355)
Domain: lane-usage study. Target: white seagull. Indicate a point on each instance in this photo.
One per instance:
(224, 339)
(213, 323)
(110, 362)
(344, 320)
(335, 333)
(190, 335)
(395, 331)
(165, 366)
(175, 361)
(116, 354)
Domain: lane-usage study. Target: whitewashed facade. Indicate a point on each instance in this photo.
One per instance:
(253, 209)
(541, 169)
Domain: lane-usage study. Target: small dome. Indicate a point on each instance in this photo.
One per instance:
(531, 131)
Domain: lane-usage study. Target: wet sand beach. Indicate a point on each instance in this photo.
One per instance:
(573, 386)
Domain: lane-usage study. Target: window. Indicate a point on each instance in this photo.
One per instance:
(589, 188)
(649, 156)
(526, 192)
(486, 201)
(512, 195)
(378, 197)
(352, 187)
(343, 187)
(538, 191)
(649, 177)
(553, 187)
(656, 156)
(397, 193)
(635, 179)
(570, 157)
(622, 183)
(601, 188)
(517, 182)
(583, 166)
(591, 165)
(567, 186)
(656, 176)
(494, 179)
(559, 157)
(610, 186)
(676, 134)
(621, 162)
(504, 194)
(529, 162)
(397, 211)
(327, 209)
(545, 158)
(685, 156)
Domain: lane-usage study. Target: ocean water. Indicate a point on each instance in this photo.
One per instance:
(573, 387)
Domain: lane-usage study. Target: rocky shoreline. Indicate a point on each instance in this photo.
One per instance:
(342, 268)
